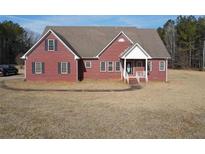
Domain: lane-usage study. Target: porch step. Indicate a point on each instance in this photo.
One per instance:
(133, 81)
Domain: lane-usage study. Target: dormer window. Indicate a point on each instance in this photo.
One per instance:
(51, 44)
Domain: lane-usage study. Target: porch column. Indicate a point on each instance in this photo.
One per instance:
(121, 70)
(124, 70)
(146, 78)
(25, 69)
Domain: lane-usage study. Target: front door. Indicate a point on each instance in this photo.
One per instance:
(129, 68)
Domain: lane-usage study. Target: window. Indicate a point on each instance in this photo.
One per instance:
(139, 63)
(117, 66)
(88, 64)
(38, 67)
(162, 66)
(64, 67)
(110, 66)
(51, 45)
(103, 66)
(149, 66)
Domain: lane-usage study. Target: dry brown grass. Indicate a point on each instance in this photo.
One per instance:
(86, 84)
(158, 110)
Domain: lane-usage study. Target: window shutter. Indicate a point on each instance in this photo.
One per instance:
(56, 45)
(68, 67)
(33, 67)
(43, 68)
(102, 66)
(59, 68)
(46, 45)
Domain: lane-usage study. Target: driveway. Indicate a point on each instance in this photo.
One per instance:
(11, 77)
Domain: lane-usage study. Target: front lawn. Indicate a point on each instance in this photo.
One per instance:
(86, 84)
(159, 110)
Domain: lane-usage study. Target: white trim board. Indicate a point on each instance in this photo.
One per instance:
(161, 58)
(49, 31)
(127, 37)
(166, 70)
(112, 42)
(136, 48)
(84, 58)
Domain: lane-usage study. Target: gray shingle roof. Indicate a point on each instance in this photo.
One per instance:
(89, 41)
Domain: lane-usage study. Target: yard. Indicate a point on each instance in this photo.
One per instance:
(158, 110)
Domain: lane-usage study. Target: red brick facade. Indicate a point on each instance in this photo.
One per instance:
(77, 68)
(155, 73)
(112, 53)
(51, 60)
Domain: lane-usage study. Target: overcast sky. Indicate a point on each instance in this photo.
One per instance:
(38, 23)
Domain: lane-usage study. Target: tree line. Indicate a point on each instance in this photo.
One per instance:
(184, 39)
(14, 41)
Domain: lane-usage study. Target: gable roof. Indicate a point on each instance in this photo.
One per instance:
(135, 48)
(121, 33)
(88, 41)
(43, 37)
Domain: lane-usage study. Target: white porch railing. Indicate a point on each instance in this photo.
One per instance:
(138, 75)
(141, 74)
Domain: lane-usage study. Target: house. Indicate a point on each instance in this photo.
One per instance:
(78, 53)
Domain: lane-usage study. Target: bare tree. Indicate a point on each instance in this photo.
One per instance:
(203, 59)
(170, 39)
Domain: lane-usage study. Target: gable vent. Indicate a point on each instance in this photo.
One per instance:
(121, 40)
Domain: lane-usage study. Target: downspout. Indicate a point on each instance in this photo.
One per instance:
(146, 78)
(121, 70)
(166, 70)
(124, 69)
(77, 70)
(25, 70)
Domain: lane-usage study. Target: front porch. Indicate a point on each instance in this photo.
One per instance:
(134, 65)
(134, 70)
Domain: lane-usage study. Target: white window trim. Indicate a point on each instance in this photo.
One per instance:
(88, 62)
(108, 66)
(116, 65)
(40, 72)
(66, 67)
(105, 66)
(160, 67)
(150, 67)
(140, 64)
(53, 44)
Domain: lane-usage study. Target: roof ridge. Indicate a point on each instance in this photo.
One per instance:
(94, 27)
(99, 26)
